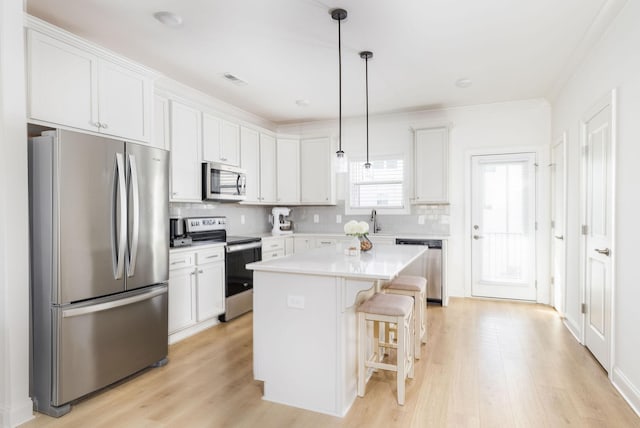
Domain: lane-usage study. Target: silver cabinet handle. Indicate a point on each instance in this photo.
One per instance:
(561, 237)
(223, 158)
(135, 196)
(477, 237)
(274, 245)
(200, 271)
(178, 262)
(606, 251)
(96, 124)
(104, 125)
(215, 256)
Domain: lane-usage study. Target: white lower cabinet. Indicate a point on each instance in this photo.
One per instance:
(303, 243)
(196, 290)
(273, 247)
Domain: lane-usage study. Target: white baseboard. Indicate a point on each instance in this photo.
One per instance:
(17, 415)
(190, 331)
(573, 328)
(627, 389)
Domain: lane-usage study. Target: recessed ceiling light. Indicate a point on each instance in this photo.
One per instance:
(303, 103)
(169, 19)
(463, 83)
(235, 79)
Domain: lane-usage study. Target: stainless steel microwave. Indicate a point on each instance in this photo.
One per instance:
(223, 182)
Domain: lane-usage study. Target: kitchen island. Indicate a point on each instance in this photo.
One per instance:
(304, 322)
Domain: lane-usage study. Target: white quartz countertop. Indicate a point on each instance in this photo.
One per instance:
(382, 262)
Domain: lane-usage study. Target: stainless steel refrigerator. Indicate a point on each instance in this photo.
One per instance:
(99, 220)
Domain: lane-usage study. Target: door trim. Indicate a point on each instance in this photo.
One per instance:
(607, 100)
(565, 182)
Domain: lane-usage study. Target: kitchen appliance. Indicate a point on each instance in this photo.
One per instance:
(177, 237)
(431, 267)
(223, 183)
(281, 226)
(99, 237)
(240, 250)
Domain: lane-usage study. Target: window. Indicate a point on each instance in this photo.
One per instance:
(382, 187)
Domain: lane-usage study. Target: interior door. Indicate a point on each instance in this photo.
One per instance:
(598, 234)
(148, 215)
(558, 223)
(503, 226)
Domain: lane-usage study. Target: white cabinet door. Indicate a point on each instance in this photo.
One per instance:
(288, 245)
(431, 168)
(124, 102)
(62, 81)
(181, 299)
(211, 127)
(301, 244)
(316, 175)
(160, 137)
(250, 162)
(210, 290)
(288, 171)
(185, 146)
(230, 143)
(267, 169)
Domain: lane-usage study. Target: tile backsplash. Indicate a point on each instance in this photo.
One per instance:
(256, 218)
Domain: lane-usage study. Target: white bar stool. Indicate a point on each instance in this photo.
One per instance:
(386, 308)
(416, 287)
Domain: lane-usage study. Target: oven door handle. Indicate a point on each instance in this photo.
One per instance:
(242, 247)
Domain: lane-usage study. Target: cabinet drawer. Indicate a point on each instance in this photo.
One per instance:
(325, 242)
(271, 244)
(181, 260)
(274, 254)
(211, 255)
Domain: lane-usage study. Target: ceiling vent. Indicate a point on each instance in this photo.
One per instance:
(235, 79)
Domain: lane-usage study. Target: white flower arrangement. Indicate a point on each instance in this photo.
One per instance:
(355, 228)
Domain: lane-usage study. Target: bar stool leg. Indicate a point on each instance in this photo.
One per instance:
(402, 359)
(362, 353)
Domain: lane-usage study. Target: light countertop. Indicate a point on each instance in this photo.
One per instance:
(382, 262)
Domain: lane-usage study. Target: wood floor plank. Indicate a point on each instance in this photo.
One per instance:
(485, 364)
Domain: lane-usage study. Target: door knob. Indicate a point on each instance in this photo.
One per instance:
(606, 251)
(477, 237)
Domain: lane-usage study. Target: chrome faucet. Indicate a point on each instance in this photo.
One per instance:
(374, 219)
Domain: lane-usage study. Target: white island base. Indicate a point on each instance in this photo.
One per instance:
(304, 322)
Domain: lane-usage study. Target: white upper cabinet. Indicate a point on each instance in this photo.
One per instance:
(288, 171)
(220, 140)
(431, 168)
(72, 85)
(317, 180)
(230, 143)
(185, 153)
(160, 137)
(267, 169)
(250, 162)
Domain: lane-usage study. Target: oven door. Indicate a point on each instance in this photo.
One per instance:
(223, 182)
(239, 278)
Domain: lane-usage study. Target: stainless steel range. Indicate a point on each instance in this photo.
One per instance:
(240, 250)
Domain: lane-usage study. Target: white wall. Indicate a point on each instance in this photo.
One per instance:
(15, 405)
(524, 124)
(613, 63)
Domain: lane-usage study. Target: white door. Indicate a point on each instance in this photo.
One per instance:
(503, 226)
(558, 223)
(186, 134)
(598, 216)
(288, 171)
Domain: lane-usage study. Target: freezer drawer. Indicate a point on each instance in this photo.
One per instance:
(101, 342)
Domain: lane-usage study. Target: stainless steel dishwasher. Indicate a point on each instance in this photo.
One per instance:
(432, 266)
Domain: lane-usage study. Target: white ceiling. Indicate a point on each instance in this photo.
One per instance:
(287, 49)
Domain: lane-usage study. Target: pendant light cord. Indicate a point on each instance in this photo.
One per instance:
(339, 89)
(366, 79)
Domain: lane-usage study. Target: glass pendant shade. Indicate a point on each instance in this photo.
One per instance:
(367, 172)
(342, 166)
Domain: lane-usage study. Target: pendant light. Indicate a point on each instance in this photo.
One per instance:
(341, 160)
(367, 55)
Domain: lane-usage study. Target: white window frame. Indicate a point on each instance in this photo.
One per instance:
(406, 207)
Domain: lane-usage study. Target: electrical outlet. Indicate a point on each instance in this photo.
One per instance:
(316, 218)
(338, 218)
(296, 302)
(420, 219)
(242, 219)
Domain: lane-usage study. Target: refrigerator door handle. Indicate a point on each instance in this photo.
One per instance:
(135, 190)
(119, 237)
(68, 313)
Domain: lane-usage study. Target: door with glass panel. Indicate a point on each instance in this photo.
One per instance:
(503, 255)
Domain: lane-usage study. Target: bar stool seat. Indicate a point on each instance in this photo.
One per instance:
(386, 309)
(416, 287)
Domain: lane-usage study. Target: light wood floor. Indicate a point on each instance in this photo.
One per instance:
(486, 364)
